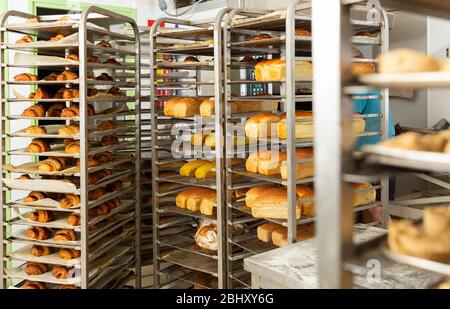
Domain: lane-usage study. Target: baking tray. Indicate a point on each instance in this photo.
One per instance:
(273, 178)
(436, 267)
(190, 181)
(47, 202)
(207, 65)
(186, 243)
(184, 212)
(43, 185)
(59, 222)
(20, 235)
(24, 254)
(407, 80)
(192, 261)
(409, 159)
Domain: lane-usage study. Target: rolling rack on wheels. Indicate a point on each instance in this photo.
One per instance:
(188, 177)
(335, 237)
(70, 215)
(283, 98)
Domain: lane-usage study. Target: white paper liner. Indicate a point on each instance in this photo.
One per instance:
(21, 234)
(28, 59)
(41, 185)
(19, 273)
(46, 202)
(42, 24)
(59, 222)
(24, 254)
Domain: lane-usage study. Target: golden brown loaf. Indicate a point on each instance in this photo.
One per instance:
(36, 110)
(360, 68)
(264, 231)
(303, 169)
(192, 196)
(364, 194)
(207, 107)
(186, 107)
(25, 77)
(262, 125)
(206, 237)
(252, 194)
(280, 238)
(407, 61)
(38, 145)
(169, 106)
(275, 69)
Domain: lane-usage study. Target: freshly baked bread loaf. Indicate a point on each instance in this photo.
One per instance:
(262, 125)
(188, 169)
(34, 269)
(38, 145)
(70, 200)
(264, 231)
(206, 237)
(419, 142)
(55, 110)
(41, 250)
(366, 194)
(208, 205)
(169, 106)
(265, 162)
(34, 285)
(36, 110)
(252, 194)
(24, 39)
(280, 238)
(275, 69)
(67, 75)
(273, 205)
(34, 196)
(207, 107)
(407, 61)
(35, 130)
(65, 235)
(302, 170)
(186, 107)
(198, 139)
(195, 194)
(360, 68)
(38, 233)
(25, 77)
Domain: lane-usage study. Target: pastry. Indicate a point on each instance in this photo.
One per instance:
(206, 237)
(64, 18)
(65, 235)
(68, 287)
(34, 269)
(112, 61)
(407, 61)
(191, 59)
(35, 130)
(52, 165)
(74, 111)
(114, 186)
(93, 59)
(24, 177)
(51, 77)
(69, 254)
(55, 110)
(34, 285)
(36, 110)
(69, 94)
(101, 210)
(42, 216)
(41, 250)
(24, 39)
(41, 94)
(70, 200)
(253, 193)
(113, 203)
(38, 145)
(302, 32)
(69, 130)
(107, 125)
(74, 219)
(57, 38)
(109, 140)
(262, 125)
(38, 233)
(364, 33)
(25, 77)
(104, 76)
(67, 75)
(262, 36)
(91, 162)
(275, 69)
(73, 147)
(104, 43)
(96, 194)
(103, 157)
(115, 91)
(34, 196)
(60, 272)
(205, 171)
(73, 57)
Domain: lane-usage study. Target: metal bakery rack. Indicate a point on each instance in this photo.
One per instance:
(107, 237)
(340, 257)
(178, 260)
(290, 94)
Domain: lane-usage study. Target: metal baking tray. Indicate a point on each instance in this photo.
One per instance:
(192, 261)
(186, 243)
(24, 254)
(184, 212)
(273, 178)
(407, 80)
(190, 181)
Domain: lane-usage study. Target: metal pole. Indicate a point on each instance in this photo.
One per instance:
(332, 143)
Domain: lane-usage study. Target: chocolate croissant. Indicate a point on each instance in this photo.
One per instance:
(70, 200)
(38, 233)
(41, 251)
(69, 254)
(109, 140)
(114, 186)
(55, 110)
(65, 235)
(42, 216)
(36, 110)
(53, 164)
(103, 157)
(67, 75)
(34, 269)
(39, 94)
(34, 196)
(38, 145)
(74, 219)
(34, 285)
(60, 272)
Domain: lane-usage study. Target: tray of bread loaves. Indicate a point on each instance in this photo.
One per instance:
(425, 246)
(429, 152)
(404, 68)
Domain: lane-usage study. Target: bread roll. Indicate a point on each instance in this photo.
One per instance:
(302, 170)
(280, 238)
(264, 231)
(364, 197)
(198, 139)
(275, 69)
(407, 61)
(262, 125)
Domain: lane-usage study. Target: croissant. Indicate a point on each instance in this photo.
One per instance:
(103, 173)
(112, 61)
(40, 93)
(51, 77)
(125, 166)
(60, 272)
(34, 285)
(38, 233)
(72, 111)
(35, 130)
(34, 269)
(101, 210)
(68, 287)
(24, 39)
(93, 59)
(73, 57)
(71, 94)
(34, 196)
(64, 18)
(115, 91)
(91, 162)
(104, 43)
(104, 76)
(65, 235)
(67, 75)
(70, 200)
(95, 194)
(103, 157)
(113, 203)
(69, 130)
(55, 110)
(74, 219)
(56, 38)
(109, 140)
(38, 145)
(114, 186)
(69, 254)
(41, 251)
(52, 165)
(36, 110)
(73, 147)
(42, 216)
(25, 77)
(107, 125)
(24, 177)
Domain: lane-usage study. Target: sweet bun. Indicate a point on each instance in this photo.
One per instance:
(115, 91)
(52, 164)
(41, 250)
(60, 272)
(69, 254)
(42, 216)
(103, 157)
